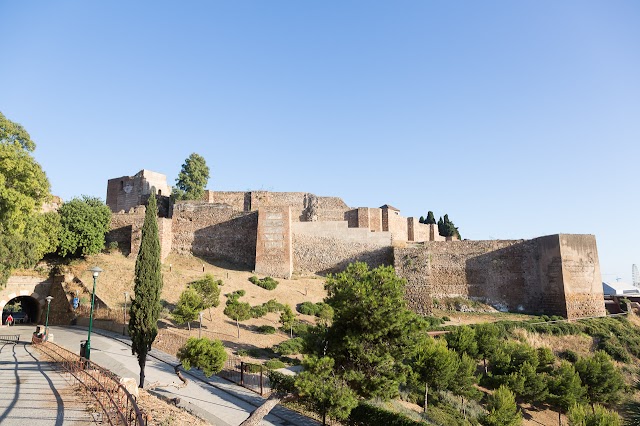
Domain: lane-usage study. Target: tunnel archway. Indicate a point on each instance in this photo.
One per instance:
(28, 311)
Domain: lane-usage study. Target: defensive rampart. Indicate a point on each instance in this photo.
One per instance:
(556, 274)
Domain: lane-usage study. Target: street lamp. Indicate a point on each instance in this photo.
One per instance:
(46, 324)
(124, 324)
(87, 349)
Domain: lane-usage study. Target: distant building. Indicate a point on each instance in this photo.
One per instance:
(619, 288)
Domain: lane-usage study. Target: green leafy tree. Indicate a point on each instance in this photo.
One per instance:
(189, 305)
(24, 188)
(238, 311)
(84, 222)
(436, 365)
(502, 408)
(602, 379)
(205, 354)
(583, 415)
(421, 220)
(565, 387)
(487, 340)
(430, 220)
(287, 319)
(463, 340)
(192, 179)
(325, 392)
(465, 378)
(145, 307)
(209, 290)
(372, 331)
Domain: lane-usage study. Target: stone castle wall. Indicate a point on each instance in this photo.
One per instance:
(215, 231)
(273, 247)
(324, 247)
(521, 275)
(127, 192)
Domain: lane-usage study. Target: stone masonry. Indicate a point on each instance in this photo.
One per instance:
(285, 233)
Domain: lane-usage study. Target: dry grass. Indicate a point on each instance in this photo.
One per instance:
(178, 271)
(580, 344)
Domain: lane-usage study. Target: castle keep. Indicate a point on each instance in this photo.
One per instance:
(282, 233)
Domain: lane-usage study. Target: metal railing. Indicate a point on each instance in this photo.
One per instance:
(254, 377)
(10, 338)
(118, 406)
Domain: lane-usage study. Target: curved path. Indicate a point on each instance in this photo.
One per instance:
(33, 392)
(213, 399)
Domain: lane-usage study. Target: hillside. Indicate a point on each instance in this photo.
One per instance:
(178, 271)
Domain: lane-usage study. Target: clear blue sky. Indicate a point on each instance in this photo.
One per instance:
(518, 119)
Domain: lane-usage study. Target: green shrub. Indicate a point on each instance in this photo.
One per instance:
(290, 361)
(266, 329)
(274, 364)
(366, 415)
(306, 308)
(242, 352)
(267, 283)
(569, 355)
(255, 352)
(290, 347)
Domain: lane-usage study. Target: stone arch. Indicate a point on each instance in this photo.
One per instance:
(32, 304)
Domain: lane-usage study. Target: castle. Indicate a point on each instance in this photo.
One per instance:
(285, 233)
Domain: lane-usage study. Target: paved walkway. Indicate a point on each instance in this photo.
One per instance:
(32, 392)
(213, 399)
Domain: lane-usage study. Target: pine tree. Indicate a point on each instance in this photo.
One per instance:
(145, 307)
(502, 408)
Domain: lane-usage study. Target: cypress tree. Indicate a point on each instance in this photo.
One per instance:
(145, 307)
(431, 220)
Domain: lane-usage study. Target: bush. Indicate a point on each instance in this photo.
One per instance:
(306, 308)
(267, 283)
(365, 415)
(569, 355)
(274, 364)
(242, 352)
(266, 329)
(290, 347)
(255, 353)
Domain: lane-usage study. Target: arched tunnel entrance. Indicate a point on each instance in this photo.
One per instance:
(23, 309)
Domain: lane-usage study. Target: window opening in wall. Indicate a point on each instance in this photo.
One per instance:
(121, 185)
(159, 191)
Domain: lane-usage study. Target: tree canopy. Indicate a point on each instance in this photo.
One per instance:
(446, 228)
(189, 305)
(25, 233)
(192, 179)
(84, 222)
(206, 354)
(372, 331)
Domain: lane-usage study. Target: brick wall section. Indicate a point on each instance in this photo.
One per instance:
(581, 276)
(273, 247)
(237, 200)
(126, 192)
(123, 227)
(215, 231)
(520, 275)
(165, 233)
(324, 247)
(397, 226)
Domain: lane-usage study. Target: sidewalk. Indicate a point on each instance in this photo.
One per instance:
(34, 393)
(227, 404)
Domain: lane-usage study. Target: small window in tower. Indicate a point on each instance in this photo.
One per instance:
(159, 191)
(121, 185)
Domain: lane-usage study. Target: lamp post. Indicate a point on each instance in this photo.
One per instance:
(124, 324)
(46, 324)
(87, 351)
